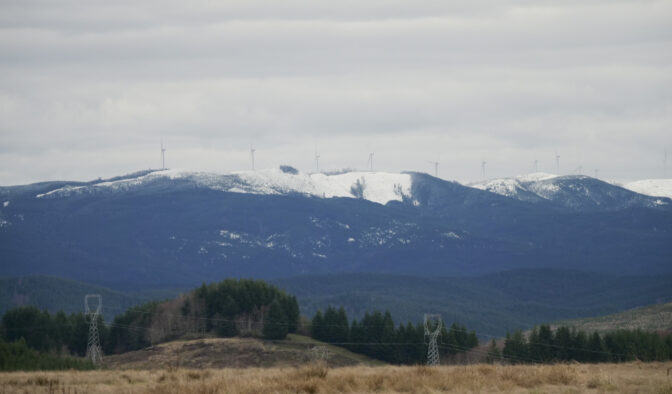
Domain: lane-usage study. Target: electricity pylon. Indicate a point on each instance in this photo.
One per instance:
(93, 351)
(433, 325)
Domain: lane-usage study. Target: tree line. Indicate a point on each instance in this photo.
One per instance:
(58, 333)
(378, 337)
(17, 356)
(228, 308)
(544, 345)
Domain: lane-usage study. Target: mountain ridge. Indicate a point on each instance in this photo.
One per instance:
(152, 230)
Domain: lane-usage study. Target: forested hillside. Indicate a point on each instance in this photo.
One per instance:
(60, 294)
(376, 335)
(490, 304)
(228, 308)
(656, 317)
(545, 345)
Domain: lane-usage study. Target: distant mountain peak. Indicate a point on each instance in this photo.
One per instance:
(378, 187)
(573, 191)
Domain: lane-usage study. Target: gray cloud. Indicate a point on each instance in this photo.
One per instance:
(88, 89)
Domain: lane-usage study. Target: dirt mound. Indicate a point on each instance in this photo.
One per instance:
(296, 350)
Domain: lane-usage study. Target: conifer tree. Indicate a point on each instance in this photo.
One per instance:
(494, 354)
(316, 326)
(275, 326)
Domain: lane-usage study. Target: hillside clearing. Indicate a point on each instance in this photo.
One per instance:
(481, 378)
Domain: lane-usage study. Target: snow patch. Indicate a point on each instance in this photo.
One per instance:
(5, 204)
(378, 187)
(451, 235)
(229, 234)
(535, 177)
(506, 187)
(64, 191)
(651, 187)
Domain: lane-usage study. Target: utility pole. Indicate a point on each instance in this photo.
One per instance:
(93, 350)
(433, 325)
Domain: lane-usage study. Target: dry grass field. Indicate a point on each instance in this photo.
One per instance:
(317, 378)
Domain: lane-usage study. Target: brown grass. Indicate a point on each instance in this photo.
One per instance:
(317, 378)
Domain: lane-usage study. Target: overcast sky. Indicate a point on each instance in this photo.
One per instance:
(89, 88)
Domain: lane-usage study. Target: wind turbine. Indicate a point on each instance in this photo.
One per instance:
(436, 167)
(597, 173)
(317, 161)
(483, 163)
(163, 156)
(370, 162)
(665, 164)
(557, 162)
(536, 165)
(579, 169)
(252, 150)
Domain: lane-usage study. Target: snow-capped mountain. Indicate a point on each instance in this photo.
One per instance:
(379, 187)
(651, 187)
(180, 227)
(572, 191)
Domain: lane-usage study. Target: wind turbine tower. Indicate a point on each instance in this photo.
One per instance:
(317, 161)
(483, 163)
(163, 156)
(370, 162)
(557, 162)
(436, 168)
(597, 173)
(536, 166)
(665, 164)
(252, 150)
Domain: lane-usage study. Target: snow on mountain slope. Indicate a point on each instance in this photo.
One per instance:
(572, 191)
(379, 187)
(517, 187)
(651, 187)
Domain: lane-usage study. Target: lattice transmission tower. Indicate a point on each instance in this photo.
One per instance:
(433, 325)
(93, 350)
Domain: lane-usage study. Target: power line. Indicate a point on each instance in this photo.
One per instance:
(199, 318)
